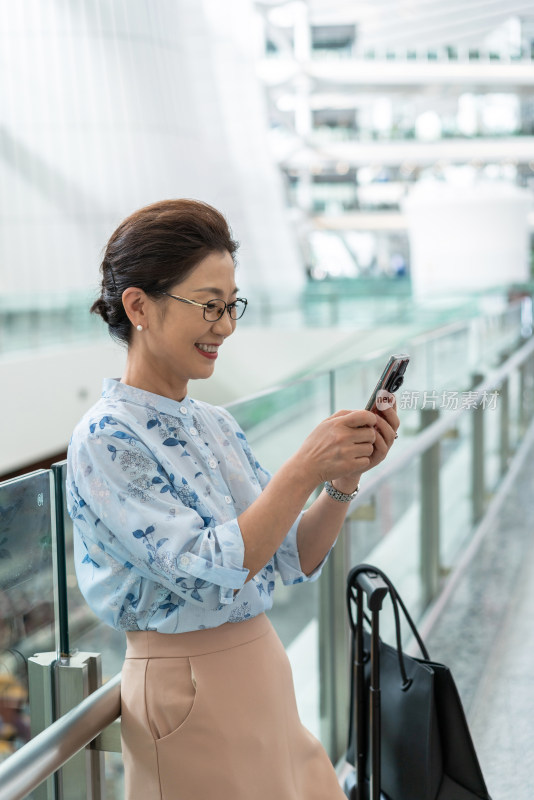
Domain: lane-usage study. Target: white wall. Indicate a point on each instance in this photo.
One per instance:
(467, 237)
(110, 105)
(44, 394)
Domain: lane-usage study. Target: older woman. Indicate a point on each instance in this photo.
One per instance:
(179, 531)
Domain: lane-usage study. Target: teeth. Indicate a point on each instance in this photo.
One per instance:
(208, 348)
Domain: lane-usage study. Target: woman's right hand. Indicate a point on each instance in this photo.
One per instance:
(339, 446)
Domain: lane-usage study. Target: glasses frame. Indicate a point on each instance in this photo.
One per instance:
(204, 306)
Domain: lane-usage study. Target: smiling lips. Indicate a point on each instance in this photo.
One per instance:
(208, 350)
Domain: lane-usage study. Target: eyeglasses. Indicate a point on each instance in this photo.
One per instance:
(214, 309)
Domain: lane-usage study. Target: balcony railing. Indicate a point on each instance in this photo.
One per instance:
(466, 408)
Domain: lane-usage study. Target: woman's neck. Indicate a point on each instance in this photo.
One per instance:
(152, 378)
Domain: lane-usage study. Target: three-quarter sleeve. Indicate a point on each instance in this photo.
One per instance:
(287, 560)
(154, 521)
(286, 557)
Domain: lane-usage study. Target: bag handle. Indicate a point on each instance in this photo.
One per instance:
(396, 600)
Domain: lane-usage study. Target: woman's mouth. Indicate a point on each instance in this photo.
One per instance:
(208, 350)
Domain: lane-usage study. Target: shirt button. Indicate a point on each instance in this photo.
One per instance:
(185, 560)
(228, 499)
(193, 431)
(183, 410)
(212, 463)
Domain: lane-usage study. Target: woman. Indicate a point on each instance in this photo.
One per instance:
(179, 530)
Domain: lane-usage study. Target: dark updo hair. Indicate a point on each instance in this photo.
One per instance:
(155, 248)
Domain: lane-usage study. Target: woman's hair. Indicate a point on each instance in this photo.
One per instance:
(155, 248)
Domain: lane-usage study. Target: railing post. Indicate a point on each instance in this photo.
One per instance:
(334, 651)
(526, 387)
(478, 483)
(333, 639)
(82, 777)
(529, 376)
(504, 421)
(505, 425)
(56, 688)
(41, 683)
(333, 302)
(430, 514)
(522, 412)
(61, 569)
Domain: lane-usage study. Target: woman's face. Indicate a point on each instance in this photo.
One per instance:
(177, 334)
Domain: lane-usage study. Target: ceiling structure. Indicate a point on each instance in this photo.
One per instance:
(397, 24)
(457, 66)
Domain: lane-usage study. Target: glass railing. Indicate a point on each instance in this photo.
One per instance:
(455, 54)
(330, 134)
(28, 607)
(391, 523)
(386, 526)
(365, 301)
(47, 320)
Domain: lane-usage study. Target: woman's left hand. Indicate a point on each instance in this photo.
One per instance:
(387, 424)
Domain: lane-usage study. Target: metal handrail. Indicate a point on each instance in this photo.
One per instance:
(49, 750)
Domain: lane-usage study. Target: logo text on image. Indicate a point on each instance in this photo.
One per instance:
(384, 400)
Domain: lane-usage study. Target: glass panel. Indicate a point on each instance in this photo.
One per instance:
(27, 604)
(276, 423)
(455, 489)
(114, 776)
(86, 632)
(384, 530)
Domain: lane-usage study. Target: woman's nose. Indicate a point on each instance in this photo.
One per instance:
(224, 326)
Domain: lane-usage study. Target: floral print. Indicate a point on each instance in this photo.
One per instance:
(155, 488)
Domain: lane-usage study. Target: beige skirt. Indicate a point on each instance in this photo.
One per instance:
(212, 713)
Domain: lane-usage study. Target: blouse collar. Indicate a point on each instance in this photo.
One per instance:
(113, 389)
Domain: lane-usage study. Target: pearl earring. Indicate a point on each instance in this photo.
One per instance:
(139, 327)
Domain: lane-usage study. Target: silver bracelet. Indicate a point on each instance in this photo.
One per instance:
(341, 496)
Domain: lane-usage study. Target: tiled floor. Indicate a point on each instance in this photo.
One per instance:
(486, 637)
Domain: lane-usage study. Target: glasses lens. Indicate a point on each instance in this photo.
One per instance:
(237, 309)
(214, 310)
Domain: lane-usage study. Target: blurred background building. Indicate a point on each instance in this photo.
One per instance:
(371, 101)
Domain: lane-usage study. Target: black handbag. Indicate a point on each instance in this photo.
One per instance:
(414, 721)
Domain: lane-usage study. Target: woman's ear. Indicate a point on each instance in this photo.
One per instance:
(135, 304)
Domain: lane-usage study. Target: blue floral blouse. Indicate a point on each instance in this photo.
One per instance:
(154, 489)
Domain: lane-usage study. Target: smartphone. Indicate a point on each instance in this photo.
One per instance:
(391, 379)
